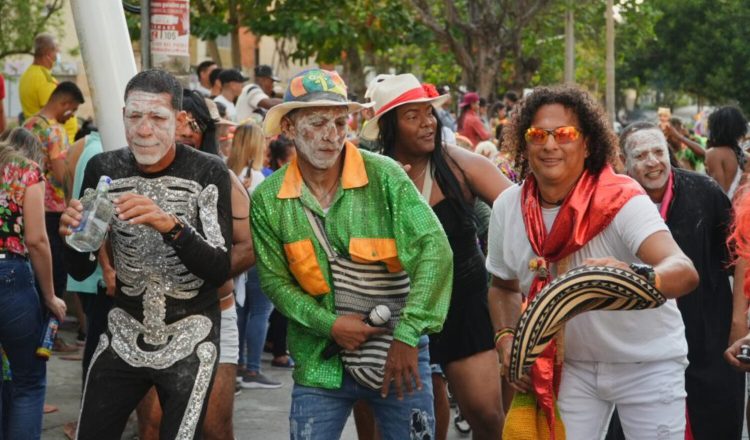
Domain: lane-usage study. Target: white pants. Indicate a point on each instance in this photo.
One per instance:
(229, 337)
(649, 396)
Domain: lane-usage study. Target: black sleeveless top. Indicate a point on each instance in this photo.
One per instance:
(467, 329)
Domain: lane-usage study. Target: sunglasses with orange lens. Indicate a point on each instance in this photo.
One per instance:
(562, 135)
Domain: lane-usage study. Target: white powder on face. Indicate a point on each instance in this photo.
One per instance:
(647, 158)
(319, 135)
(150, 123)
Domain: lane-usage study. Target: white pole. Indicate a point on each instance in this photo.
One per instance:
(145, 34)
(610, 63)
(570, 46)
(109, 63)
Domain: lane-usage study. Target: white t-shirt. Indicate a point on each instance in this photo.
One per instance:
(257, 178)
(202, 90)
(449, 137)
(248, 101)
(599, 336)
(231, 109)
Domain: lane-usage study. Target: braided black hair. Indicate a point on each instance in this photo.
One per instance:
(446, 180)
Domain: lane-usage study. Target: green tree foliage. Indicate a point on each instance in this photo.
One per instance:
(353, 33)
(209, 19)
(481, 34)
(22, 20)
(635, 31)
(701, 47)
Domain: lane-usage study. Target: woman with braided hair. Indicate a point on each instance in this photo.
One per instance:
(452, 180)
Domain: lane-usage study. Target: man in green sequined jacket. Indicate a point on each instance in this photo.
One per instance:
(371, 213)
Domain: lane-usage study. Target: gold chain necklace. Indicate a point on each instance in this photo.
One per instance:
(328, 194)
(414, 179)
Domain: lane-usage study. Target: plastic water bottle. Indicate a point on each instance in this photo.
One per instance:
(44, 351)
(90, 233)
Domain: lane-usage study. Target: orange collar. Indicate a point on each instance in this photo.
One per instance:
(354, 174)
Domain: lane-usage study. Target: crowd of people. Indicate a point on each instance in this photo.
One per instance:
(384, 251)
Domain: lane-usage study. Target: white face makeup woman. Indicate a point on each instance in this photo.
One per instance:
(150, 123)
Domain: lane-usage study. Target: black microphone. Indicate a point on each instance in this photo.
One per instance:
(379, 316)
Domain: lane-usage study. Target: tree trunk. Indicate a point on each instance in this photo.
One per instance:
(355, 75)
(234, 20)
(369, 63)
(525, 70)
(236, 57)
(488, 56)
(213, 51)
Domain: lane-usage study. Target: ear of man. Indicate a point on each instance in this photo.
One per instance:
(181, 118)
(287, 127)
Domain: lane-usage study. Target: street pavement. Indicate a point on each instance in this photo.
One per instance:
(258, 414)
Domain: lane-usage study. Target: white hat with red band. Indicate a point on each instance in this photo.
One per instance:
(394, 92)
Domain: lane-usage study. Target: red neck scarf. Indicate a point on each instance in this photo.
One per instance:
(587, 210)
(668, 196)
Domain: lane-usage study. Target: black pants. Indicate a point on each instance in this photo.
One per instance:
(57, 247)
(114, 388)
(277, 333)
(96, 308)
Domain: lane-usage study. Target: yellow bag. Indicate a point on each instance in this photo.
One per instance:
(525, 421)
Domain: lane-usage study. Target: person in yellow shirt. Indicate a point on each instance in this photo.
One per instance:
(37, 83)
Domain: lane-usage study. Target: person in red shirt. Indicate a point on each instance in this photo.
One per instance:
(469, 123)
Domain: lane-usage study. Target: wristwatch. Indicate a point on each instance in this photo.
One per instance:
(646, 271)
(172, 234)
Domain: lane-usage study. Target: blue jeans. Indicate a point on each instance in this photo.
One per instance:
(20, 330)
(252, 322)
(320, 414)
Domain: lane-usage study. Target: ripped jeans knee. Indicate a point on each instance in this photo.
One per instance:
(421, 425)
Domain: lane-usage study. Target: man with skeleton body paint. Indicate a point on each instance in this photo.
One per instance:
(170, 242)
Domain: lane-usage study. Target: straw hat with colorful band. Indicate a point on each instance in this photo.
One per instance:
(580, 290)
(311, 88)
(394, 92)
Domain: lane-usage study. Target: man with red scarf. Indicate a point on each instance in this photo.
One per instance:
(574, 210)
(698, 214)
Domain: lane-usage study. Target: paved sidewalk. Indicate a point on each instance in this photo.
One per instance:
(258, 414)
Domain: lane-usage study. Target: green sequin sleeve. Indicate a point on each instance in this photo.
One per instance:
(426, 255)
(276, 280)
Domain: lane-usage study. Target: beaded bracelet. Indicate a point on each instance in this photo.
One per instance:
(505, 331)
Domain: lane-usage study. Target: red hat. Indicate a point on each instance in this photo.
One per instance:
(469, 99)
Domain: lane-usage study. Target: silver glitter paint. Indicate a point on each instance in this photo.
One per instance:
(142, 260)
(154, 313)
(207, 202)
(149, 267)
(206, 353)
(103, 344)
(180, 339)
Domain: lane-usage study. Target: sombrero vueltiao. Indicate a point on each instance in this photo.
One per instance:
(310, 88)
(579, 290)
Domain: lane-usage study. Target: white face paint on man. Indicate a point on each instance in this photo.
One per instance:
(319, 134)
(150, 122)
(647, 158)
